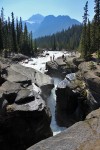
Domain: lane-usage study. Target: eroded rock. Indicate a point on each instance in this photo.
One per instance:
(61, 66)
(84, 135)
(66, 103)
(24, 117)
(43, 81)
(24, 125)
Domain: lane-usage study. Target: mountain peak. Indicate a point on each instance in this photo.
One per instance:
(36, 17)
(41, 26)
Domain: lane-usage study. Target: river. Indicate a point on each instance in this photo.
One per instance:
(39, 64)
(51, 102)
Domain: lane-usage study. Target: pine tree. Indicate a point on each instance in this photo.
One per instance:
(35, 46)
(92, 37)
(54, 43)
(88, 38)
(9, 36)
(20, 35)
(97, 25)
(31, 43)
(2, 15)
(25, 33)
(2, 26)
(1, 38)
(14, 45)
(83, 42)
(17, 34)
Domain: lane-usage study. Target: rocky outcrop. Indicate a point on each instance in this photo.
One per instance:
(22, 125)
(77, 99)
(70, 102)
(66, 103)
(3, 71)
(18, 77)
(93, 84)
(43, 81)
(9, 91)
(19, 57)
(24, 116)
(90, 72)
(84, 135)
(25, 76)
(61, 66)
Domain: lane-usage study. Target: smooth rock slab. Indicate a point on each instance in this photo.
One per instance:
(17, 77)
(75, 136)
(24, 96)
(43, 81)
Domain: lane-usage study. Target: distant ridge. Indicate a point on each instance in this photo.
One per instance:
(41, 26)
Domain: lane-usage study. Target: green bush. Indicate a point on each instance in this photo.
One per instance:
(92, 66)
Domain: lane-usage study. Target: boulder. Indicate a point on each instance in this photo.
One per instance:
(24, 116)
(66, 103)
(22, 125)
(90, 74)
(24, 96)
(84, 135)
(3, 72)
(10, 90)
(19, 57)
(61, 67)
(18, 77)
(43, 81)
(93, 83)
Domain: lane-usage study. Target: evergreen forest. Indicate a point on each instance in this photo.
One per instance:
(14, 38)
(67, 39)
(84, 37)
(90, 38)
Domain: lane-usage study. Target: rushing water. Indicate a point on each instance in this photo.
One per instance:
(39, 64)
(51, 104)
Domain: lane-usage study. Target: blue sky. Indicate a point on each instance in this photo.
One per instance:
(26, 8)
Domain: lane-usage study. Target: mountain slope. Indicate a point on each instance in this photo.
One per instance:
(41, 26)
(52, 24)
(33, 22)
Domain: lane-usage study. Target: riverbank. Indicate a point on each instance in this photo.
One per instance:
(24, 117)
(21, 90)
(80, 97)
(40, 64)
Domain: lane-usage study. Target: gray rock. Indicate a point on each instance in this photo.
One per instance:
(3, 72)
(61, 67)
(24, 117)
(76, 137)
(41, 80)
(66, 103)
(10, 90)
(19, 57)
(24, 125)
(17, 77)
(24, 96)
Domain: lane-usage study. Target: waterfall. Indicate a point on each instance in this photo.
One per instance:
(51, 102)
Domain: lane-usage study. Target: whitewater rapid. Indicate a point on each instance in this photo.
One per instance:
(39, 64)
(51, 102)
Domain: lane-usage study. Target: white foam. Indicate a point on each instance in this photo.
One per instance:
(39, 63)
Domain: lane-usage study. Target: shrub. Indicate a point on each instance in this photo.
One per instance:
(92, 66)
